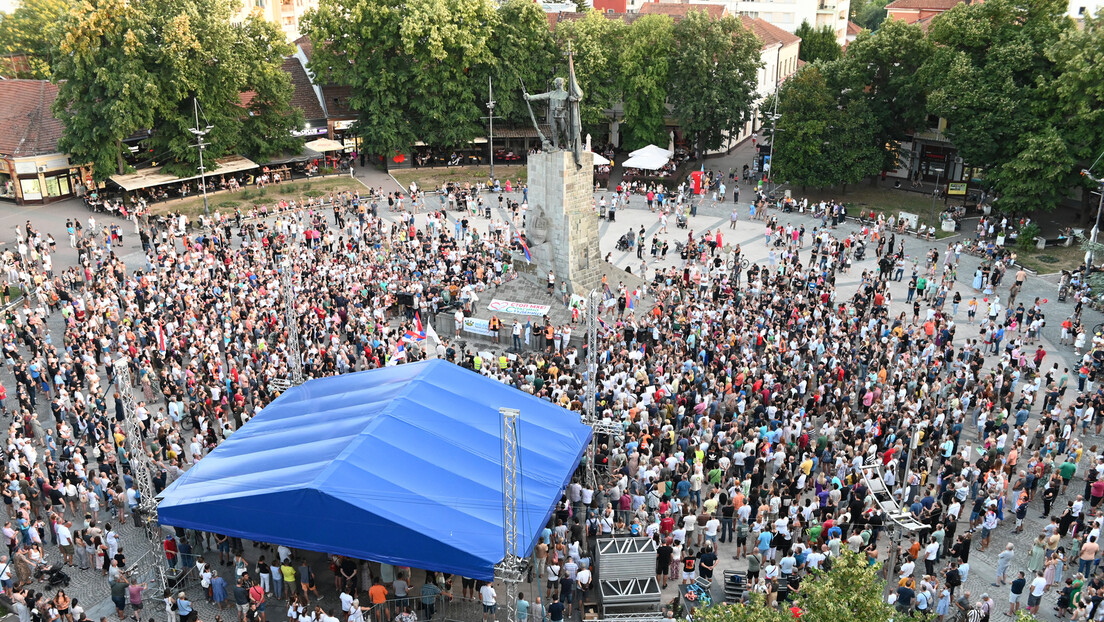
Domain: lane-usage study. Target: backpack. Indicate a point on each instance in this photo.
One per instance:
(592, 527)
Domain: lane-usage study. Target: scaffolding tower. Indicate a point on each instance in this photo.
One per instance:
(590, 410)
(148, 566)
(291, 323)
(512, 567)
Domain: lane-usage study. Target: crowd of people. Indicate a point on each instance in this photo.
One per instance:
(750, 398)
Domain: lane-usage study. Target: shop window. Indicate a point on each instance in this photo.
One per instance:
(57, 186)
(31, 189)
(7, 186)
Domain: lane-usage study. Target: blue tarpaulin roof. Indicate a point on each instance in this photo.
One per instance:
(401, 465)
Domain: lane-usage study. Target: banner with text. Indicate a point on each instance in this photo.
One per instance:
(518, 308)
(477, 326)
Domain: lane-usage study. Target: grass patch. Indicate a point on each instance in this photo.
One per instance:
(246, 199)
(881, 199)
(1052, 259)
(429, 178)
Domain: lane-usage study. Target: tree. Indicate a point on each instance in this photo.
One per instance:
(126, 67)
(991, 78)
(645, 74)
(711, 110)
(881, 68)
(869, 14)
(817, 43)
(755, 611)
(32, 30)
(522, 48)
(1078, 91)
(408, 64)
(271, 119)
(852, 590)
(820, 141)
(105, 89)
(596, 42)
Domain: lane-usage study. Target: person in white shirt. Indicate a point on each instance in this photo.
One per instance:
(1038, 586)
(65, 541)
(490, 598)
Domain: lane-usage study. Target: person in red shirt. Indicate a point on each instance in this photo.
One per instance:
(667, 525)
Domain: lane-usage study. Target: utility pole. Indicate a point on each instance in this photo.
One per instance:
(510, 570)
(935, 195)
(200, 145)
(490, 118)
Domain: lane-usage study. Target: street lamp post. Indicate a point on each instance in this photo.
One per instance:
(773, 116)
(1096, 227)
(490, 119)
(935, 195)
(200, 145)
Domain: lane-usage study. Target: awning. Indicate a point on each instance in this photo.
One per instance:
(323, 145)
(286, 158)
(600, 160)
(154, 177)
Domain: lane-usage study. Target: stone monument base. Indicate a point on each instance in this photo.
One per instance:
(562, 225)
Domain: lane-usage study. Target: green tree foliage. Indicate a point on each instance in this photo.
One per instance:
(596, 42)
(32, 30)
(714, 74)
(753, 612)
(125, 67)
(821, 141)
(523, 48)
(869, 14)
(409, 66)
(1078, 91)
(852, 590)
(644, 69)
(107, 90)
(990, 76)
(881, 69)
(817, 43)
(271, 119)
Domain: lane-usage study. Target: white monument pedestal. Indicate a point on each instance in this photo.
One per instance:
(563, 227)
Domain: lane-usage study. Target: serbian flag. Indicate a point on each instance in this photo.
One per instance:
(632, 299)
(419, 333)
(524, 247)
(400, 353)
(604, 326)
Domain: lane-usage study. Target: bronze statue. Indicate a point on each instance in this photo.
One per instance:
(563, 113)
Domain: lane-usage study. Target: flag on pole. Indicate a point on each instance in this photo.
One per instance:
(432, 334)
(632, 302)
(418, 333)
(400, 353)
(524, 247)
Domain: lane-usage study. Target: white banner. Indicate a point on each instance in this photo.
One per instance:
(477, 326)
(518, 308)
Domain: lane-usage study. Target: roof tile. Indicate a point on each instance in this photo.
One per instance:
(27, 124)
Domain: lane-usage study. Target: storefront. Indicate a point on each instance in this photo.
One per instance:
(37, 181)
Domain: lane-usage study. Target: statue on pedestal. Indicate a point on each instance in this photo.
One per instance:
(563, 114)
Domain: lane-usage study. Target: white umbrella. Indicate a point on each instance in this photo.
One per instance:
(600, 159)
(646, 161)
(652, 150)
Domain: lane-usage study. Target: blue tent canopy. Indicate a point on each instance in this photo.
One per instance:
(401, 465)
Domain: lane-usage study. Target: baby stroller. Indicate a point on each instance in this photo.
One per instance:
(860, 251)
(53, 575)
(623, 243)
(680, 221)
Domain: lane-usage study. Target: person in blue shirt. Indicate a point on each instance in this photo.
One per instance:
(522, 608)
(184, 607)
(764, 540)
